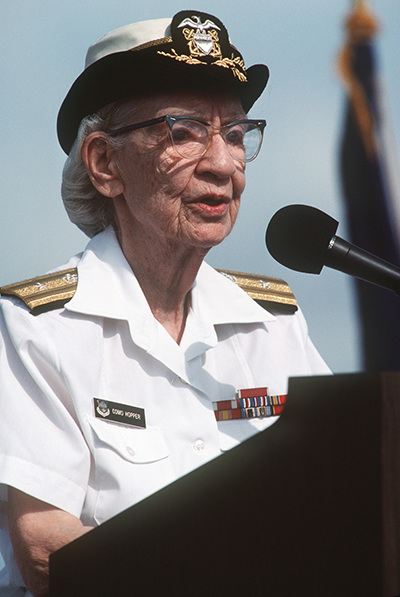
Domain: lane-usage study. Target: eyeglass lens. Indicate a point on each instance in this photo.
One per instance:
(191, 138)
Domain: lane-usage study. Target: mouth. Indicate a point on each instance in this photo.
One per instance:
(211, 205)
(213, 201)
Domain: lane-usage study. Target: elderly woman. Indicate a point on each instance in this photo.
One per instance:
(115, 364)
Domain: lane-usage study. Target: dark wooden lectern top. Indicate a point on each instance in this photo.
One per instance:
(309, 507)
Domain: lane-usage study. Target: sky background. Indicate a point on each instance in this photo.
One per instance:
(43, 46)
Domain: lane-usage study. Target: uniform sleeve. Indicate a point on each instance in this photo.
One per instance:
(42, 450)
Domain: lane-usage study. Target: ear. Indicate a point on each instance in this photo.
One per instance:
(100, 163)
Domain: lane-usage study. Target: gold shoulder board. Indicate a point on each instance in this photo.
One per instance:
(272, 293)
(45, 293)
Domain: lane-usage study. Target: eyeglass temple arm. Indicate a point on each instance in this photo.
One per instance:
(135, 127)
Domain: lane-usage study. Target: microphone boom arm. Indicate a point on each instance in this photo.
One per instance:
(350, 259)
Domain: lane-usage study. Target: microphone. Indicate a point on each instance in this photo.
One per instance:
(303, 238)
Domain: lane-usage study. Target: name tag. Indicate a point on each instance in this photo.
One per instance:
(119, 413)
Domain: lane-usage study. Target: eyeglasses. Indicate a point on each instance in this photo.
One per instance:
(191, 137)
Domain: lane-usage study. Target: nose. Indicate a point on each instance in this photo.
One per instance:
(217, 159)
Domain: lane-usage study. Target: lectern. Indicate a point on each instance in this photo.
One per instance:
(309, 507)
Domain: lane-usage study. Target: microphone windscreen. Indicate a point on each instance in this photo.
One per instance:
(298, 237)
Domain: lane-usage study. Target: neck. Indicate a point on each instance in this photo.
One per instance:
(166, 275)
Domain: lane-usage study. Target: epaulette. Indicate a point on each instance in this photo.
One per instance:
(45, 293)
(52, 291)
(270, 293)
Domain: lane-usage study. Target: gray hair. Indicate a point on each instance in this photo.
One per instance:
(91, 211)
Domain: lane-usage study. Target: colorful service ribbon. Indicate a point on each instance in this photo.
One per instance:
(251, 403)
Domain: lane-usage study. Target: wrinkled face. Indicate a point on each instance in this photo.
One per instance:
(192, 203)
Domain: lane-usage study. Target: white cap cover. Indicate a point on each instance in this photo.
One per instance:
(127, 38)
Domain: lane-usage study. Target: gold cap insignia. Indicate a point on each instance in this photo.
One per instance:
(202, 39)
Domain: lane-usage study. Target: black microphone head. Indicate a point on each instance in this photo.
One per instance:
(298, 237)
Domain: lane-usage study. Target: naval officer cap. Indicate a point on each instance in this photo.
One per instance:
(191, 51)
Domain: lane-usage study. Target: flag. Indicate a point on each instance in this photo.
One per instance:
(366, 190)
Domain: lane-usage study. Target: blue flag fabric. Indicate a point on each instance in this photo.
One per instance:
(366, 192)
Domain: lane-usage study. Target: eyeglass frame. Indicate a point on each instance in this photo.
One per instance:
(170, 120)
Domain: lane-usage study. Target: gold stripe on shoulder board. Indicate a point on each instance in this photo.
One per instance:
(45, 292)
(54, 290)
(263, 289)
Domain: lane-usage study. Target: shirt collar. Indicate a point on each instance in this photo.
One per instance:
(221, 300)
(107, 287)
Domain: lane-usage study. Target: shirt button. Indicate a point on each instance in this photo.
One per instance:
(199, 445)
(130, 451)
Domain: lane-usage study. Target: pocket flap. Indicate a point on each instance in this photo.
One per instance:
(132, 443)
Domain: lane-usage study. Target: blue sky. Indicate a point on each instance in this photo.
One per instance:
(43, 45)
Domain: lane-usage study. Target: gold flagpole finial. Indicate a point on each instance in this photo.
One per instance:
(361, 24)
(361, 27)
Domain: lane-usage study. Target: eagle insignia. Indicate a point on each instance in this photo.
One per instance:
(202, 37)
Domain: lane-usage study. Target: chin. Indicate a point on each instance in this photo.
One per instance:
(213, 236)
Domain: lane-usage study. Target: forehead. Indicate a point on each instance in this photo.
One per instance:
(219, 105)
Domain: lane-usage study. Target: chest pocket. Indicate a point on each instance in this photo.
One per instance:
(133, 444)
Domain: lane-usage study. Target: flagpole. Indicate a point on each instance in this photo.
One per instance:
(361, 26)
(364, 178)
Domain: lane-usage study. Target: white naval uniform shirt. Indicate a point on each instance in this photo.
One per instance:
(106, 344)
